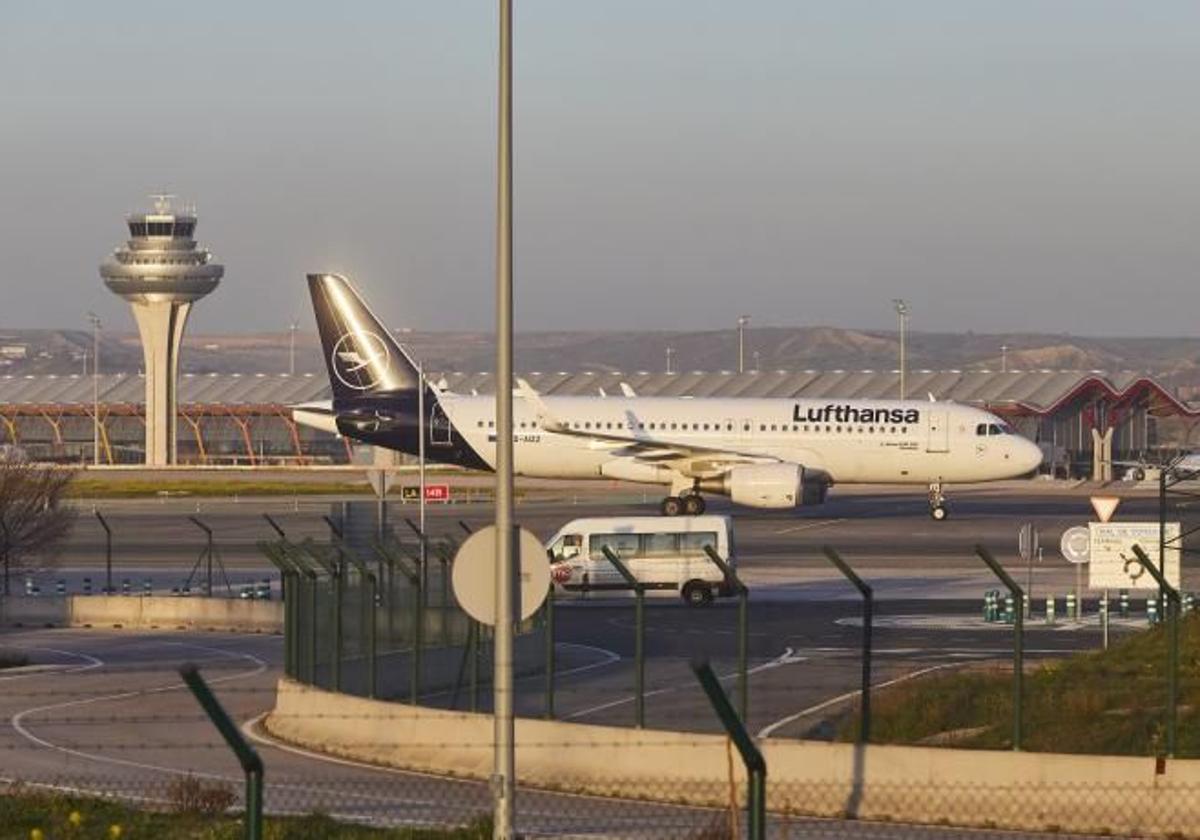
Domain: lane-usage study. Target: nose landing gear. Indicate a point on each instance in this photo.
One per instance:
(937, 502)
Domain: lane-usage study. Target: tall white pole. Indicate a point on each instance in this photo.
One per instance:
(504, 764)
(95, 388)
(292, 350)
(421, 475)
(902, 314)
(741, 324)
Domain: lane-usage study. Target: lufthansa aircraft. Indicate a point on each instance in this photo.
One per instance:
(765, 453)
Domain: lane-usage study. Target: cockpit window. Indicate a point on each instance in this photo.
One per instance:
(981, 429)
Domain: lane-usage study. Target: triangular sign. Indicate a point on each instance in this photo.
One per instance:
(1105, 506)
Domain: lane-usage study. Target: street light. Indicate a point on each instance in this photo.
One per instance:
(742, 321)
(1004, 358)
(902, 314)
(95, 319)
(292, 348)
(670, 351)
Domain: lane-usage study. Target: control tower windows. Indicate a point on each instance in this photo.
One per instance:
(137, 228)
(160, 228)
(184, 229)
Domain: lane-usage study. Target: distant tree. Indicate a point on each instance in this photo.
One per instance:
(33, 518)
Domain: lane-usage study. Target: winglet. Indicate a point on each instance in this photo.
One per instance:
(545, 418)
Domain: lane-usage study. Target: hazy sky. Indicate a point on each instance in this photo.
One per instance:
(1004, 165)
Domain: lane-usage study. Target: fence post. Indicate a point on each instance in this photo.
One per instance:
(756, 765)
(415, 664)
(336, 571)
(549, 631)
(1018, 641)
(1172, 598)
(108, 584)
(868, 618)
(252, 765)
(639, 644)
(743, 634)
(286, 573)
(368, 618)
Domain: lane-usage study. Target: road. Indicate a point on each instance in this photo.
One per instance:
(110, 714)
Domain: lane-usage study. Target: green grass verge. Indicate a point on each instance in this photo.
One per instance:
(117, 488)
(28, 814)
(1106, 703)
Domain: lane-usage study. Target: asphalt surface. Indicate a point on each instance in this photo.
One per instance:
(110, 713)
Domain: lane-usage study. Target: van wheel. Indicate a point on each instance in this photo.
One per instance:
(696, 593)
(672, 506)
(693, 504)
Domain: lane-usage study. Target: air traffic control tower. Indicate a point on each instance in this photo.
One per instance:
(161, 272)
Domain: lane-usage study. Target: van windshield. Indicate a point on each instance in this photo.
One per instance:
(566, 547)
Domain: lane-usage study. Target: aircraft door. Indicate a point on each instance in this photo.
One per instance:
(939, 431)
(441, 433)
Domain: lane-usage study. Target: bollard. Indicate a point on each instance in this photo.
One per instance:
(1189, 601)
(126, 586)
(1009, 609)
(1151, 610)
(1123, 604)
(29, 587)
(263, 593)
(1049, 609)
(87, 586)
(147, 587)
(1026, 605)
(989, 605)
(1071, 607)
(60, 588)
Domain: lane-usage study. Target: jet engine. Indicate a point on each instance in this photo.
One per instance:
(769, 486)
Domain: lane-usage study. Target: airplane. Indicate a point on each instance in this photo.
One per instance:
(762, 453)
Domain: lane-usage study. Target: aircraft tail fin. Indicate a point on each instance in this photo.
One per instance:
(362, 357)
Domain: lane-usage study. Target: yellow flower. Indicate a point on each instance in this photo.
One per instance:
(114, 831)
(75, 819)
(37, 834)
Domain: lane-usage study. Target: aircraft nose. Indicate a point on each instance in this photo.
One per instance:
(1028, 456)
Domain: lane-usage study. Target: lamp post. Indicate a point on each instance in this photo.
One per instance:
(902, 314)
(1004, 358)
(670, 351)
(292, 348)
(504, 730)
(95, 319)
(742, 321)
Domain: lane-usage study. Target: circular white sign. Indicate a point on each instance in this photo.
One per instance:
(1076, 545)
(474, 575)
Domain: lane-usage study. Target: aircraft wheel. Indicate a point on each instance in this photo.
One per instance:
(938, 513)
(693, 504)
(672, 506)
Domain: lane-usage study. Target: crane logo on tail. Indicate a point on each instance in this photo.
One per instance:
(360, 360)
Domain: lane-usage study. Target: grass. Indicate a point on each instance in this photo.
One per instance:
(27, 814)
(1106, 702)
(122, 488)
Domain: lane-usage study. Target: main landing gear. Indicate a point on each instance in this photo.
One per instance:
(937, 502)
(685, 504)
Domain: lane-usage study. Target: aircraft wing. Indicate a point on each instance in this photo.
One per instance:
(688, 459)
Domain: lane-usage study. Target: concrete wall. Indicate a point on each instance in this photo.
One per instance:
(1030, 791)
(143, 613)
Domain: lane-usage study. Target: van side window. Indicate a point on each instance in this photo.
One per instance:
(694, 543)
(567, 547)
(622, 545)
(659, 545)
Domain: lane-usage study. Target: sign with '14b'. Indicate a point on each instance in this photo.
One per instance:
(1113, 562)
(433, 493)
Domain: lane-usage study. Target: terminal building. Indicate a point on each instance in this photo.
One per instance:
(245, 419)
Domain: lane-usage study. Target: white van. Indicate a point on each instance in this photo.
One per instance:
(664, 552)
